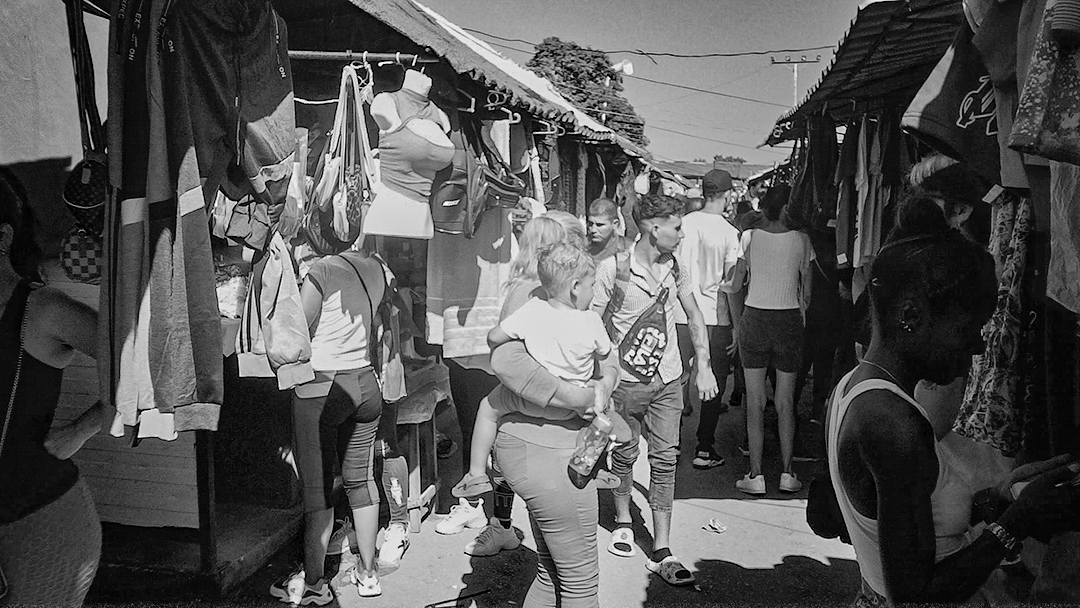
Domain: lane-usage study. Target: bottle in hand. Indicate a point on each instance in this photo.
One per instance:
(592, 441)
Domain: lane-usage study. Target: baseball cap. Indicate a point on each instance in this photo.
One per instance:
(716, 181)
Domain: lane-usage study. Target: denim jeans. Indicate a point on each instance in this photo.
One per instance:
(563, 520)
(655, 409)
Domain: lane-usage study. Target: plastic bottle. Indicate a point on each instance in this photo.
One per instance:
(592, 442)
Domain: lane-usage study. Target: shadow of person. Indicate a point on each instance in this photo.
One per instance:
(500, 580)
(797, 580)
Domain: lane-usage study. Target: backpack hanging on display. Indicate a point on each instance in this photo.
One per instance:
(345, 173)
(87, 187)
(492, 185)
(451, 206)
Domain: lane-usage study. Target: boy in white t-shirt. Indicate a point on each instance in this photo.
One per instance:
(561, 333)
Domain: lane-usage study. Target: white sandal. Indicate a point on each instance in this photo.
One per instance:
(672, 571)
(622, 543)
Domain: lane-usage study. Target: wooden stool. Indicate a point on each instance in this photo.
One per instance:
(427, 387)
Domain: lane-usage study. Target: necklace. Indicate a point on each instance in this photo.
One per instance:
(887, 372)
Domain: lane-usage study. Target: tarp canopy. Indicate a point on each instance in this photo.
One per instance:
(886, 55)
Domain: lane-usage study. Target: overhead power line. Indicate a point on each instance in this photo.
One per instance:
(717, 93)
(716, 141)
(666, 53)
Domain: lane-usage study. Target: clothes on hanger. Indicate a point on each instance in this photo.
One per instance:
(846, 195)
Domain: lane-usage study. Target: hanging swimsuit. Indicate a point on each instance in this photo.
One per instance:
(950, 500)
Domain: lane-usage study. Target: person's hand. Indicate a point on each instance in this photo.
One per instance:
(1050, 504)
(1030, 471)
(734, 346)
(600, 404)
(706, 383)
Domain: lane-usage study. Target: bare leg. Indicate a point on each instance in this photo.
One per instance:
(483, 438)
(622, 509)
(366, 524)
(785, 411)
(755, 416)
(317, 528)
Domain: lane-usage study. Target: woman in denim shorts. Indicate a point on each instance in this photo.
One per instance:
(770, 329)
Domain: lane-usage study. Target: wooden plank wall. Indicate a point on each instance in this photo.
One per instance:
(152, 485)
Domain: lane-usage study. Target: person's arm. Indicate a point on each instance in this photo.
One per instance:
(497, 337)
(807, 277)
(64, 440)
(311, 300)
(730, 292)
(699, 335)
(521, 374)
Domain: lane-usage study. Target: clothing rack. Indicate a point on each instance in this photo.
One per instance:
(400, 58)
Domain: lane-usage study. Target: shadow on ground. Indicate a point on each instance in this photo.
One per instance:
(797, 580)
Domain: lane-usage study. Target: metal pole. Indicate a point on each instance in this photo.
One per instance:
(402, 58)
(794, 63)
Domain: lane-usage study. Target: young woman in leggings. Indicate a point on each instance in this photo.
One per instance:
(335, 420)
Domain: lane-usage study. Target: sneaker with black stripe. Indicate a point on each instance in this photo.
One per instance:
(707, 459)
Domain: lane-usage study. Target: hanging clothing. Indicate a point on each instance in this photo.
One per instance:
(955, 111)
(990, 411)
(863, 188)
(996, 38)
(846, 196)
(1062, 284)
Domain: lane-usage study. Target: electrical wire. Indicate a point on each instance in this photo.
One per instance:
(716, 141)
(666, 53)
(717, 93)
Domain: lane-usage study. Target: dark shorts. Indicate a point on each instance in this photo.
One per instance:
(771, 337)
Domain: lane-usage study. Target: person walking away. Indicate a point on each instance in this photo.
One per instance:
(770, 331)
(340, 296)
(635, 292)
(603, 230)
(50, 534)
(707, 255)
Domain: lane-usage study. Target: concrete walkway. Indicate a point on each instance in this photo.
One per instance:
(767, 556)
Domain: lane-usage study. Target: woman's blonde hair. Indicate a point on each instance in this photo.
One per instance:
(540, 234)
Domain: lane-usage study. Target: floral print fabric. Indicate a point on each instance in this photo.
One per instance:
(1048, 117)
(990, 412)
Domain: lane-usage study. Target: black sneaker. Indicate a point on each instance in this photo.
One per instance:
(707, 459)
(736, 399)
(444, 446)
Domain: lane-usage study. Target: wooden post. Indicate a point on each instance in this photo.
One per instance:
(204, 473)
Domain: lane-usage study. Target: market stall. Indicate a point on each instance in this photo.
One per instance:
(971, 81)
(194, 477)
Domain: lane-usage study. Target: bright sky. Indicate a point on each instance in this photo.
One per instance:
(689, 27)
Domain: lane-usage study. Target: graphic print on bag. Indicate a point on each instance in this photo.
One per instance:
(643, 346)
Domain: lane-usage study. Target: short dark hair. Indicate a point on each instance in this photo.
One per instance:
(774, 201)
(653, 206)
(604, 206)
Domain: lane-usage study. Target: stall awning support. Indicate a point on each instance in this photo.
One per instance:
(400, 58)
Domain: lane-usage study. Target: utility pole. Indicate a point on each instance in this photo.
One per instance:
(795, 63)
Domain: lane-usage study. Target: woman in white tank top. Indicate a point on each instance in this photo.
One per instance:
(905, 508)
(769, 330)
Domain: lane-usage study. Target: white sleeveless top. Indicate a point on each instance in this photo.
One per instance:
(950, 500)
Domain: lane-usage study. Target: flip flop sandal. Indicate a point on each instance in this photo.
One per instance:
(672, 571)
(622, 543)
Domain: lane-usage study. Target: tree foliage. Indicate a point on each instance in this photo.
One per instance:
(738, 160)
(580, 73)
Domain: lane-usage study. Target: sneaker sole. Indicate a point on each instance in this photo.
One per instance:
(471, 525)
(753, 492)
(712, 465)
(791, 490)
(387, 567)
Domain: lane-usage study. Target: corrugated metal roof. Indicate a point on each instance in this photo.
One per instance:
(885, 56)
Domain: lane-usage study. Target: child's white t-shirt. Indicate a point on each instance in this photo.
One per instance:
(565, 342)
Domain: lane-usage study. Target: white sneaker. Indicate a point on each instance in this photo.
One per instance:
(395, 542)
(492, 539)
(789, 483)
(462, 515)
(293, 590)
(367, 585)
(751, 485)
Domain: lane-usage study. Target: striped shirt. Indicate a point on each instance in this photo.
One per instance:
(640, 295)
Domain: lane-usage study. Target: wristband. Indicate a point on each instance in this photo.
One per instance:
(1011, 544)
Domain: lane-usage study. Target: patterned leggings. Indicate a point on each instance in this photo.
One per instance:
(50, 556)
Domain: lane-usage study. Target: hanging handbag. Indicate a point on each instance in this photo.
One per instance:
(87, 187)
(492, 185)
(345, 174)
(1046, 123)
(81, 255)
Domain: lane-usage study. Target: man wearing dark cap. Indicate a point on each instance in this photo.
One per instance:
(707, 255)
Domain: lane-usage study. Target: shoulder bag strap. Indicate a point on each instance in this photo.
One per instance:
(18, 372)
(618, 292)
